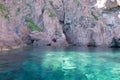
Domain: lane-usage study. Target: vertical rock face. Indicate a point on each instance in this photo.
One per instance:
(8, 38)
(30, 22)
(92, 22)
(42, 22)
(51, 28)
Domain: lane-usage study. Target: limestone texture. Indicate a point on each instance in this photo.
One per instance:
(59, 23)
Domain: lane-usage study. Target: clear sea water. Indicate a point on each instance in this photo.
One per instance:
(61, 63)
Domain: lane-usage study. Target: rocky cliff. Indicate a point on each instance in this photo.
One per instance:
(59, 23)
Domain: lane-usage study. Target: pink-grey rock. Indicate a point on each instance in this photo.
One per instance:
(91, 22)
(40, 38)
(77, 22)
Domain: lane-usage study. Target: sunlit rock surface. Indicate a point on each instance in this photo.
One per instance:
(77, 22)
(8, 38)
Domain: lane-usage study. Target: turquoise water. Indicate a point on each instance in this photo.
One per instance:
(70, 63)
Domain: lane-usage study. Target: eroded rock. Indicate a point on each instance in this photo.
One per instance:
(56, 22)
(91, 22)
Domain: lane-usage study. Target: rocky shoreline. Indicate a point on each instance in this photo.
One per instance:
(59, 23)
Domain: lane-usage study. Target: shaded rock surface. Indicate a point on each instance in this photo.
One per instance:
(59, 22)
(92, 22)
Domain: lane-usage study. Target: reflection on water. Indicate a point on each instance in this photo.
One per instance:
(71, 63)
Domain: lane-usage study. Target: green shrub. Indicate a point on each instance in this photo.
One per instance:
(32, 25)
(95, 17)
(51, 13)
(51, 3)
(76, 1)
(4, 11)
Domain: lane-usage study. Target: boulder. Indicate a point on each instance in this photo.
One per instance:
(43, 39)
(40, 38)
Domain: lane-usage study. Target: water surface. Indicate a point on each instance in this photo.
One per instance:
(70, 63)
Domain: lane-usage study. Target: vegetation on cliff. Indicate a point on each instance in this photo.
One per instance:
(4, 11)
(32, 25)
